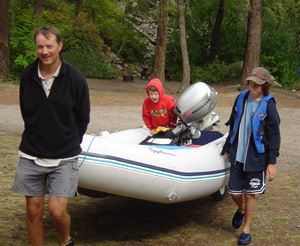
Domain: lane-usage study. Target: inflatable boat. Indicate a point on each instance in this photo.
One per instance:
(169, 167)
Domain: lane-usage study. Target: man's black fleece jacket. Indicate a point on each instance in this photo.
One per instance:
(54, 125)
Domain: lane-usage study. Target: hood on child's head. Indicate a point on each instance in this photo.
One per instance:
(158, 85)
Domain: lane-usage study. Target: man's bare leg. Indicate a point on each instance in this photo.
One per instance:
(60, 217)
(34, 219)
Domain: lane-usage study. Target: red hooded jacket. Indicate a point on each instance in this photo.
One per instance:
(158, 114)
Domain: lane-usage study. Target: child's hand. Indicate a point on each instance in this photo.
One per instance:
(226, 156)
(152, 132)
(271, 172)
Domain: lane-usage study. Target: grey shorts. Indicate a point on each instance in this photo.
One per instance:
(31, 179)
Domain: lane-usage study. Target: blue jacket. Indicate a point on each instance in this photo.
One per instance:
(264, 143)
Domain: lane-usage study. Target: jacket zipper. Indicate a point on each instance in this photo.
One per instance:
(241, 118)
(244, 168)
(251, 134)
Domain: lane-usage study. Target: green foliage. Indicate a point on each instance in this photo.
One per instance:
(289, 76)
(280, 45)
(199, 20)
(21, 45)
(83, 35)
(91, 64)
(116, 29)
(233, 32)
(134, 49)
(200, 17)
(112, 23)
(59, 13)
(78, 33)
(284, 71)
(215, 72)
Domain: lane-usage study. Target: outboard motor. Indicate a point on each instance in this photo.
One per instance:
(194, 109)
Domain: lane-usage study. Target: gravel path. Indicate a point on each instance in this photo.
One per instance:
(102, 118)
(125, 117)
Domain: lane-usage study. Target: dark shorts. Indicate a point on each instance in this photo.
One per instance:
(31, 179)
(246, 182)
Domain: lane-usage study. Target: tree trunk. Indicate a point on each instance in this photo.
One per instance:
(216, 32)
(38, 7)
(161, 42)
(253, 46)
(79, 7)
(4, 53)
(184, 53)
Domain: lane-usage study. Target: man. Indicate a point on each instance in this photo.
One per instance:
(54, 102)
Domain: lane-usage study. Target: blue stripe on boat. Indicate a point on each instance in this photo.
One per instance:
(153, 169)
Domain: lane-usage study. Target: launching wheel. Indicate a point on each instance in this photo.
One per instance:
(220, 194)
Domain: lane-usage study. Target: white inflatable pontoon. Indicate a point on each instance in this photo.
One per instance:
(163, 168)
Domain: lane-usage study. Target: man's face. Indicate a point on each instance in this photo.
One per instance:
(48, 49)
(154, 96)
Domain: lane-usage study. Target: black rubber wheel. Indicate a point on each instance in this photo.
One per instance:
(220, 194)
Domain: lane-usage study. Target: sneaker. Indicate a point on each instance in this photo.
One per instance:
(71, 243)
(237, 219)
(244, 239)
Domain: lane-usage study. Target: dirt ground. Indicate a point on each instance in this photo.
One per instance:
(116, 105)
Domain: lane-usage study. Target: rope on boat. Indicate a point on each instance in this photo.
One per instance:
(87, 151)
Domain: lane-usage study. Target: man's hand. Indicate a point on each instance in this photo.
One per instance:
(271, 172)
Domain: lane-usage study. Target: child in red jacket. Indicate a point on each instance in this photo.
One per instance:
(158, 108)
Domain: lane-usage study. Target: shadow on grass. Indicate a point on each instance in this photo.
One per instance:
(122, 219)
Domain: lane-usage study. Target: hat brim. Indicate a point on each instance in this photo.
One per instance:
(256, 80)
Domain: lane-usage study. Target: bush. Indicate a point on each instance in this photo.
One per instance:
(21, 45)
(289, 77)
(215, 73)
(283, 71)
(82, 34)
(90, 64)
